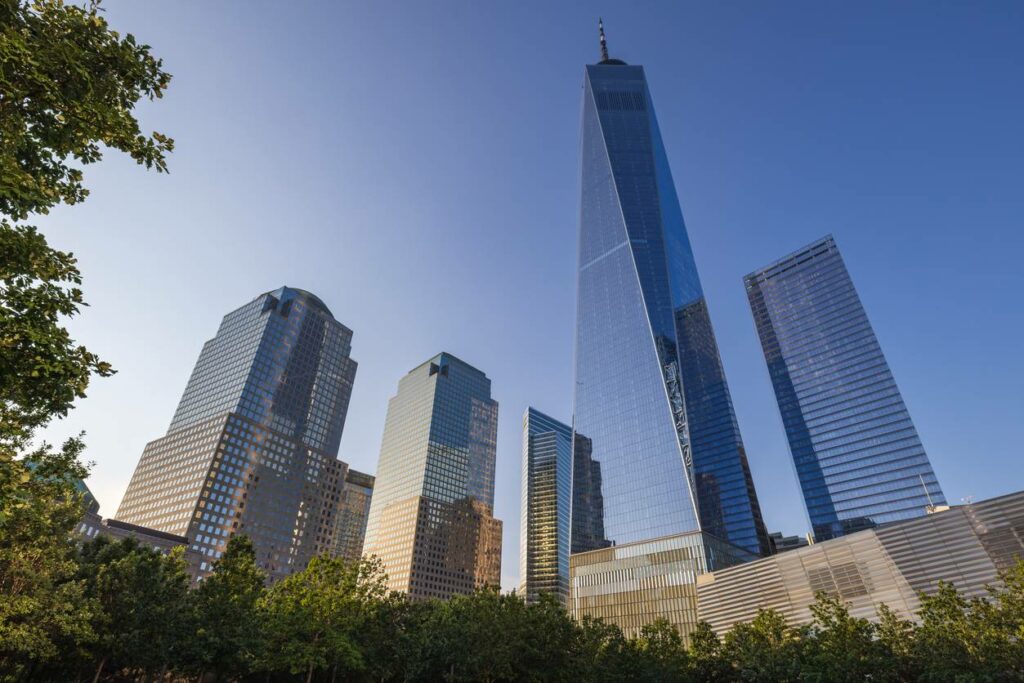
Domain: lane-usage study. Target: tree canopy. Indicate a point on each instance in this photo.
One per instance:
(69, 85)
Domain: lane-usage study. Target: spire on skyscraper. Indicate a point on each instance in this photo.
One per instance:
(605, 59)
(604, 44)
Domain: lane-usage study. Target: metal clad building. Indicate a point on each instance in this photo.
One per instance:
(967, 546)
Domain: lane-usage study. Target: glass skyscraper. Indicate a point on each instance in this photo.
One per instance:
(546, 507)
(431, 520)
(253, 445)
(857, 455)
(650, 395)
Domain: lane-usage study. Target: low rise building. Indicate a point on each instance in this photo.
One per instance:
(93, 525)
(967, 546)
(631, 585)
(781, 544)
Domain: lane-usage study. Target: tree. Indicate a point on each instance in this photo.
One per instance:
(840, 647)
(43, 608)
(971, 639)
(311, 619)
(662, 655)
(896, 640)
(766, 649)
(141, 622)
(224, 613)
(600, 652)
(392, 639)
(547, 635)
(707, 660)
(68, 84)
(463, 634)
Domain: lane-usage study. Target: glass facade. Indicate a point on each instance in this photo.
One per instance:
(546, 507)
(253, 445)
(587, 500)
(650, 395)
(430, 520)
(857, 454)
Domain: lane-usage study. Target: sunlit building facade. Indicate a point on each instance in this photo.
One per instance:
(431, 518)
(352, 514)
(650, 391)
(633, 584)
(858, 456)
(544, 540)
(252, 448)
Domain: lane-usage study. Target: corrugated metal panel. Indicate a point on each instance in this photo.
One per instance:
(966, 546)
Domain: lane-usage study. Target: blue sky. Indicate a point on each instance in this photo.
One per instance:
(415, 165)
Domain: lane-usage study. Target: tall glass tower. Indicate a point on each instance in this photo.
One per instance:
(253, 445)
(857, 454)
(651, 394)
(431, 520)
(545, 535)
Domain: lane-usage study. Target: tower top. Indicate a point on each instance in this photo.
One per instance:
(605, 59)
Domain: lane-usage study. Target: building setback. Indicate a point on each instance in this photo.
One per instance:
(253, 445)
(431, 520)
(545, 534)
(857, 454)
(650, 390)
(892, 564)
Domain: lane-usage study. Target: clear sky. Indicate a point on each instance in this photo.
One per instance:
(415, 165)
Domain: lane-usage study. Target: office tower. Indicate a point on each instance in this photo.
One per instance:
(253, 445)
(431, 520)
(650, 391)
(353, 511)
(857, 454)
(546, 507)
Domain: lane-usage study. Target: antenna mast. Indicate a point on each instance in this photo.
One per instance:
(604, 44)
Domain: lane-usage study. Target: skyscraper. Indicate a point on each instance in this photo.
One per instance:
(253, 445)
(545, 534)
(651, 394)
(431, 520)
(857, 455)
(353, 511)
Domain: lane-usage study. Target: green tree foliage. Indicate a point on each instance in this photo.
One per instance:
(840, 647)
(141, 625)
(976, 639)
(68, 88)
(765, 650)
(223, 610)
(660, 654)
(43, 606)
(601, 653)
(312, 620)
(706, 655)
(335, 621)
(69, 84)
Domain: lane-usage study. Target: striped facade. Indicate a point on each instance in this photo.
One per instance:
(967, 546)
